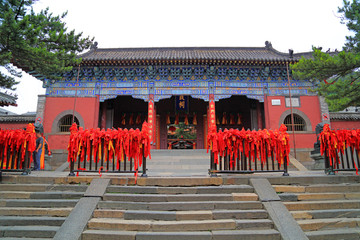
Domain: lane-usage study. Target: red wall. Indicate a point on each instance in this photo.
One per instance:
(309, 105)
(12, 125)
(87, 107)
(345, 124)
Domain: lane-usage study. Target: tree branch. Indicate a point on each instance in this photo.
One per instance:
(19, 9)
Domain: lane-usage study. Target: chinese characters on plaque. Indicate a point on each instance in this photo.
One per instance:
(182, 103)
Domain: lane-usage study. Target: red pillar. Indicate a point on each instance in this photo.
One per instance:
(152, 120)
(96, 123)
(212, 116)
(266, 112)
(259, 116)
(103, 116)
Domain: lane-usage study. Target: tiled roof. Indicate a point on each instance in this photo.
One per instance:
(18, 118)
(6, 100)
(345, 116)
(190, 53)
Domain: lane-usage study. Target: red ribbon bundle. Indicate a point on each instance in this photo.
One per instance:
(332, 142)
(118, 143)
(14, 144)
(262, 142)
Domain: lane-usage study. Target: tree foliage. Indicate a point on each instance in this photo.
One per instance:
(337, 74)
(38, 43)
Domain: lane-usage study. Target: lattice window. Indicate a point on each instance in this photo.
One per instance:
(66, 122)
(299, 123)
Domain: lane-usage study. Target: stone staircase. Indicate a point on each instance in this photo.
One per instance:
(324, 211)
(35, 211)
(184, 212)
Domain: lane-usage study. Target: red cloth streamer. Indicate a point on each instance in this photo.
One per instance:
(232, 119)
(224, 119)
(168, 119)
(254, 144)
(195, 119)
(110, 145)
(138, 119)
(123, 120)
(334, 142)
(131, 120)
(186, 120)
(239, 119)
(13, 147)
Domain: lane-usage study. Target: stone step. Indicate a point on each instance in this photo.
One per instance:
(41, 203)
(181, 190)
(68, 187)
(329, 223)
(24, 187)
(31, 221)
(24, 238)
(14, 195)
(185, 225)
(322, 205)
(40, 195)
(268, 234)
(330, 213)
(181, 215)
(28, 231)
(335, 234)
(317, 196)
(19, 187)
(179, 198)
(21, 211)
(180, 181)
(180, 206)
(318, 188)
(57, 195)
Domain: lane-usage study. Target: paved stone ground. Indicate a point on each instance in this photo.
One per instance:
(178, 163)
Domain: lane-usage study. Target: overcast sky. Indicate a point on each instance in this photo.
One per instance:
(195, 23)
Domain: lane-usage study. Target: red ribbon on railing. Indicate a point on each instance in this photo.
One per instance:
(134, 144)
(254, 144)
(333, 142)
(15, 144)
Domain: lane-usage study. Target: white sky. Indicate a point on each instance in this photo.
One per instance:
(195, 23)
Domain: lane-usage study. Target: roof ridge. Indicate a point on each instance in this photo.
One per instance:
(157, 53)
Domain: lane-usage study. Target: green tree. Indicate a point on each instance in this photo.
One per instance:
(38, 43)
(337, 74)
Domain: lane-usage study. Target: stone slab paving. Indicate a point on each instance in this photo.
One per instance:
(76, 222)
(278, 213)
(97, 188)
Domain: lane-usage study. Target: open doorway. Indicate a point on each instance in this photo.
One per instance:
(181, 122)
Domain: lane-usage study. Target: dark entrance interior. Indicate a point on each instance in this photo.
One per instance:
(123, 112)
(239, 112)
(177, 129)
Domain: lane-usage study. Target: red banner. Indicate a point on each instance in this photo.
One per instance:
(212, 120)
